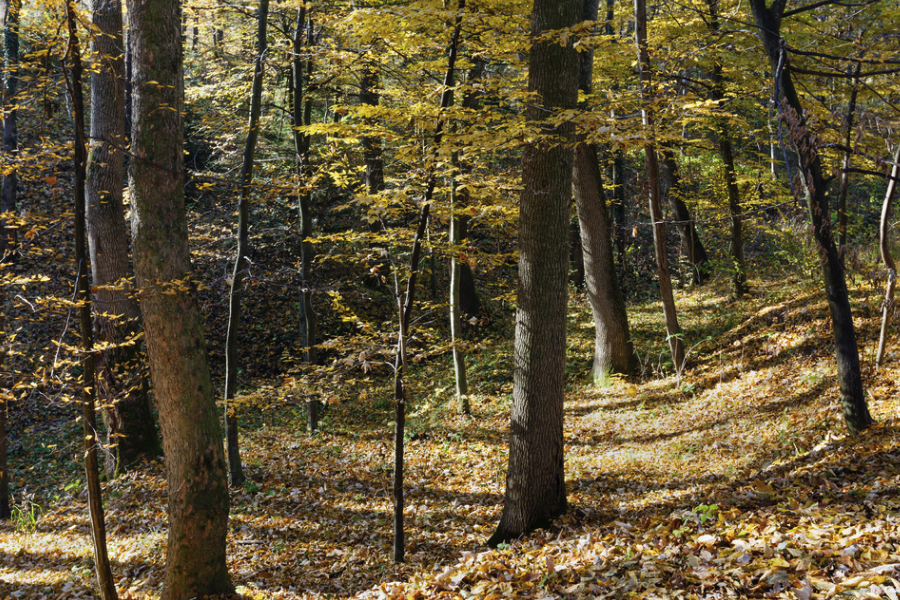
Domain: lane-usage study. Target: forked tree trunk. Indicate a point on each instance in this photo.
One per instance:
(8, 234)
(173, 324)
(673, 330)
(884, 231)
(120, 375)
(691, 245)
(232, 447)
(88, 389)
(613, 349)
(853, 401)
(535, 479)
(301, 114)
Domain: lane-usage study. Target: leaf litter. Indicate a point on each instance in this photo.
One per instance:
(736, 481)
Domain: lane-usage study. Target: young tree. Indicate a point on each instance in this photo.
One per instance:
(11, 10)
(232, 451)
(613, 349)
(5, 508)
(130, 425)
(691, 245)
(173, 324)
(535, 481)
(853, 402)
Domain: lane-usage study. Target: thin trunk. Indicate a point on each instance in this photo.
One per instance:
(241, 264)
(88, 416)
(405, 304)
(373, 153)
(459, 356)
(8, 234)
(884, 231)
(845, 163)
(613, 349)
(121, 378)
(301, 71)
(673, 330)
(196, 475)
(853, 401)
(691, 245)
(5, 397)
(469, 302)
(535, 479)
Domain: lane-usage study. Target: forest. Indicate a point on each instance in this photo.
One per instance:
(462, 299)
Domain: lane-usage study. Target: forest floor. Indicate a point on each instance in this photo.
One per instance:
(737, 480)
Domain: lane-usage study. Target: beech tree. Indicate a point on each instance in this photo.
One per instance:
(192, 436)
(535, 481)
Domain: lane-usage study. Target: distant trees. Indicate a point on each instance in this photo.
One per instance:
(192, 435)
(535, 481)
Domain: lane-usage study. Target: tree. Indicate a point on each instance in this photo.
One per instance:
(673, 330)
(613, 349)
(691, 245)
(853, 402)
(5, 508)
(535, 481)
(232, 451)
(11, 10)
(173, 324)
(130, 425)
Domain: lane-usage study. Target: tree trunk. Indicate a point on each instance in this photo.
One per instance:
(456, 262)
(241, 264)
(88, 358)
(121, 379)
(5, 397)
(845, 163)
(673, 330)
(8, 235)
(535, 481)
(691, 245)
(301, 71)
(885, 246)
(853, 401)
(173, 324)
(613, 349)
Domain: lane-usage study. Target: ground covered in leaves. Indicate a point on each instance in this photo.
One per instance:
(736, 480)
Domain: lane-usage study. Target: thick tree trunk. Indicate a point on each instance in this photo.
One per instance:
(88, 358)
(8, 234)
(173, 324)
(673, 330)
(691, 246)
(853, 401)
(232, 448)
(121, 379)
(535, 480)
(613, 349)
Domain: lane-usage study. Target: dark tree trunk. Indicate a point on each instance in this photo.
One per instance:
(121, 378)
(5, 397)
(691, 246)
(853, 401)
(88, 388)
(192, 436)
(535, 481)
(8, 234)
(241, 264)
(613, 349)
(845, 162)
(673, 330)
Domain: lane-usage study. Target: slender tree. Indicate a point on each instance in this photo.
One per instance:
(173, 324)
(691, 245)
(10, 144)
(888, 260)
(5, 397)
(121, 377)
(853, 401)
(232, 450)
(535, 482)
(613, 349)
(88, 357)
(673, 330)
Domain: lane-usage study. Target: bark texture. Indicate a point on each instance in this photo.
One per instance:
(5, 508)
(853, 401)
(613, 349)
(8, 235)
(121, 381)
(192, 436)
(535, 481)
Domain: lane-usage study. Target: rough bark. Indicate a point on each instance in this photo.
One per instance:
(613, 349)
(535, 481)
(691, 245)
(853, 401)
(121, 379)
(241, 264)
(5, 396)
(673, 330)
(8, 235)
(88, 357)
(173, 324)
